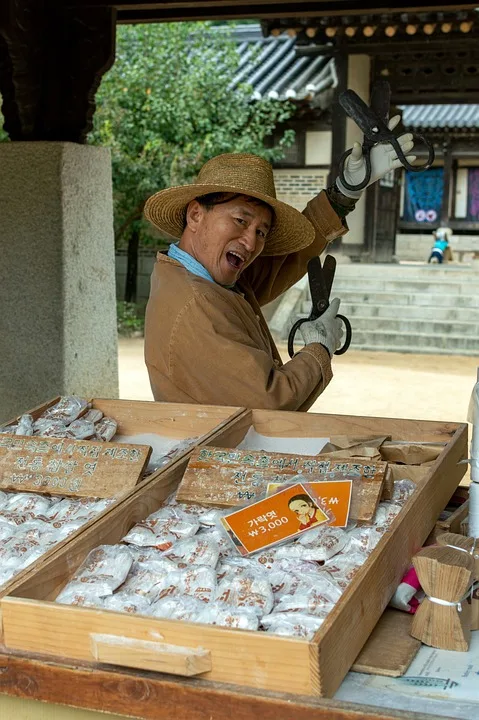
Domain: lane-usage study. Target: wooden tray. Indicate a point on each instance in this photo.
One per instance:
(168, 419)
(33, 623)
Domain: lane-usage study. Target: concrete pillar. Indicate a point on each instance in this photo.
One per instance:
(57, 274)
(359, 69)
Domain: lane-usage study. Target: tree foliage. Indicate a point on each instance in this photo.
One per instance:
(168, 105)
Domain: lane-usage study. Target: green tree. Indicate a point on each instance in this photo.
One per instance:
(167, 106)
(3, 134)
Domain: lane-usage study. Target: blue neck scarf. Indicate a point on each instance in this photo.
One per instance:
(189, 262)
(192, 265)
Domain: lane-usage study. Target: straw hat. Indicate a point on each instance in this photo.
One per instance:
(237, 173)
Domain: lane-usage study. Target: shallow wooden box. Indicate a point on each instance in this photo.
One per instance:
(167, 419)
(33, 623)
(456, 521)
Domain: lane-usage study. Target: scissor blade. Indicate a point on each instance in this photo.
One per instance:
(381, 100)
(364, 117)
(318, 287)
(329, 269)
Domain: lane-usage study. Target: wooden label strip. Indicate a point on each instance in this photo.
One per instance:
(231, 477)
(62, 466)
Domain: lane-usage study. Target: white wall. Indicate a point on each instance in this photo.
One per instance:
(318, 147)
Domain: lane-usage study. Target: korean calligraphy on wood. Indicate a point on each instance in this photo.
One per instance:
(230, 477)
(70, 467)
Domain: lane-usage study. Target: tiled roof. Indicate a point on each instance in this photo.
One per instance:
(271, 67)
(441, 116)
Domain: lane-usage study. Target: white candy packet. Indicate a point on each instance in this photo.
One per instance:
(104, 569)
(217, 613)
(249, 589)
(198, 550)
(163, 528)
(292, 624)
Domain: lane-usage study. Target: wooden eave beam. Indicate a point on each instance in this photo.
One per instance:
(169, 10)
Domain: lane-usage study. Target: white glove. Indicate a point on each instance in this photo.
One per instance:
(327, 329)
(383, 159)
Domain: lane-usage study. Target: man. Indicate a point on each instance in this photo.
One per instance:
(206, 340)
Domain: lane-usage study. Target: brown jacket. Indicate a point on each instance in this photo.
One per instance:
(210, 345)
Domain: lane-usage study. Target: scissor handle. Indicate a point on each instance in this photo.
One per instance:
(349, 335)
(292, 333)
(367, 177)
(298, 323)
(405, 162)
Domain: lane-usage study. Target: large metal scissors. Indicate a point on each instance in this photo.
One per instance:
(320, 283)
(373, 121)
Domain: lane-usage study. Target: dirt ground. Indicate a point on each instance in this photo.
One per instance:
(426, 387)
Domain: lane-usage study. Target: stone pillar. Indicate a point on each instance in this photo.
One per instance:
(57, 274)
(359, 68)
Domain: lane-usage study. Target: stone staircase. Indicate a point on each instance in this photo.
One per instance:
(402, 308)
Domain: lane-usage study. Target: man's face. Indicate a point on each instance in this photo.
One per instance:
(228, 237)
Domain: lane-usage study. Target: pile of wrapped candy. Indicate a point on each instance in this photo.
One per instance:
(63, 421)
(180, 564)
(73, 417)
(31, 524)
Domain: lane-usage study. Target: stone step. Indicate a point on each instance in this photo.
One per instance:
(419, 342)
(447, 272)
(438, 313)
(386, 284)
(397, 299)
(413, 328)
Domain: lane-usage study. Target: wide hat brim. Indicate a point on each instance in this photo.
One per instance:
(291, 230)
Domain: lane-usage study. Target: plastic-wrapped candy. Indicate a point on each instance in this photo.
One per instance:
(6, 530)
(25, 426)
(67, 409)
(211, 517)
(343, 567)
(106, 429)
(93, 415)
(125, 602)
(292, 624)
(28, 503)
(183, 608)
(364, 539)
(324, 543)
(80, 595)
(249, 589)
(267, 557)
(216, 613)
(224, 544)
(4, 498)
(288, 574)
(151, 559)
(45, 427)
(197, 581)
(105, 569)
(142, 581)
(317, 599)
(81, 429)
(231, 566)
(386, 513)
(163, 528)
(198, 550)
(403, 489)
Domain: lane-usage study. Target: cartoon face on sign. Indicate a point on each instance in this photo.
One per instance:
(306, 511)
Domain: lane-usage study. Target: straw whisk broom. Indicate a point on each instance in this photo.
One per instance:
(471, 546)
(443, 619)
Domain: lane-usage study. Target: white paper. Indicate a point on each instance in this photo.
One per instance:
(295, 445)
(160, 444)
(439, 674)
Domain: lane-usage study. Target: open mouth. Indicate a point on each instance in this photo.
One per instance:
(235, 260)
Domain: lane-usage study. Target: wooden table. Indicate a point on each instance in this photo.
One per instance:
(152, 696)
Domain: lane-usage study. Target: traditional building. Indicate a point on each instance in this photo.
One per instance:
(396, 221)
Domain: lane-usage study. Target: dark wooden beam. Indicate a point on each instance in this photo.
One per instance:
(446, 192)
(154, 696)
(140, 11)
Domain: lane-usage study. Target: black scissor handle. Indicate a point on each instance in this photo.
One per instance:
(292, 333)
(349, 335)
(405, 162)
(298, 323)
(367, 177)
